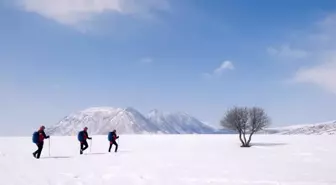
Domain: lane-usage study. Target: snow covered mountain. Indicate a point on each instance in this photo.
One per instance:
(178, 123)
(325, 128)
(101, 120)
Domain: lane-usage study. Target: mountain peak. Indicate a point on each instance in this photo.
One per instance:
(158, 112)
(100, 109)
(178, 122)
(154, 112)
(131, 109)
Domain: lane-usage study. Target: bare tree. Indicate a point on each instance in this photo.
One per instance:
(235, 119)
(245, 121)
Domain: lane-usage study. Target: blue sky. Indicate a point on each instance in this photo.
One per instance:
(200, 57)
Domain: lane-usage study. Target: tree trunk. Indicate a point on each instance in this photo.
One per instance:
(249, 140)
(244, 135)
(244, 142)
(240, 137)
(244, 132)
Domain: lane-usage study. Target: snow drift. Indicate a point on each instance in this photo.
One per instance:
(171, 160)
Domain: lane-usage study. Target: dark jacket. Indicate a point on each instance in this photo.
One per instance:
(86, 136)
(42, 136)
(114, 136)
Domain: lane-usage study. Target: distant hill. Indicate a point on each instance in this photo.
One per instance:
(325, 128)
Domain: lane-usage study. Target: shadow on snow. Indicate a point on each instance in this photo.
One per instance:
(95, 153)
(102, 153)
(268, 144)
(57, 157)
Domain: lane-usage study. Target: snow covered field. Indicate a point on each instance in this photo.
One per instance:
(172, 160)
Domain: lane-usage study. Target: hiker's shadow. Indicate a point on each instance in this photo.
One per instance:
(96, 153)
(57, 157)
(106, 153)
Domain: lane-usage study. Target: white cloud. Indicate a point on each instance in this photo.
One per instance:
(287, 52)
(146, 60)
(320, 68)
(328, 22)
(322, 75)
(226, 65)
(72, 12)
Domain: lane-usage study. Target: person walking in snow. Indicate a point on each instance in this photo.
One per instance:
(112, 138)
(38, 139)
(82, 137)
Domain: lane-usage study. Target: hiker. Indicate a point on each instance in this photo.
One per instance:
(112, 137)
(82, 136)
(38, 138)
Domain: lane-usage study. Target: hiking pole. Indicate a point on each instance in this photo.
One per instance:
(49, 147)
(91, 145)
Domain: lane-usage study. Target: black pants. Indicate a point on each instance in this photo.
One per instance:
(84, 145)
(113, 143)
(38, 152)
